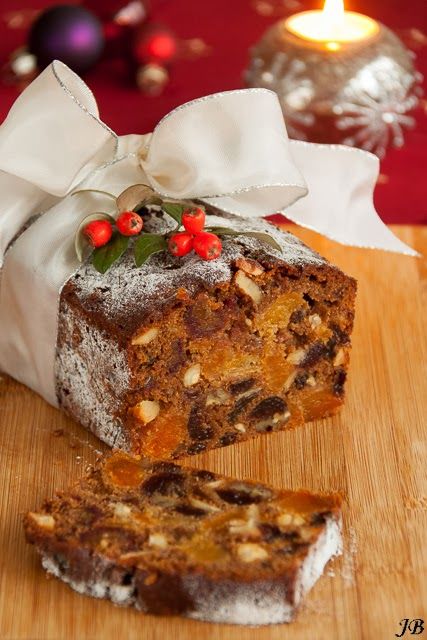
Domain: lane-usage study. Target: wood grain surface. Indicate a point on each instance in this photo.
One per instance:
(374, 453)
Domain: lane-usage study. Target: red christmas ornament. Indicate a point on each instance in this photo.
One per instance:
(180, 244)
(154, 44)
(129, 223)
(207, 245)
(194, 220)
(98, 232)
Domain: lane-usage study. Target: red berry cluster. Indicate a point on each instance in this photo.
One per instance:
(207, 245)
(99, 232)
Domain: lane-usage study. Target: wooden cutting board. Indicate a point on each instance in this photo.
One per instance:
(374, 453)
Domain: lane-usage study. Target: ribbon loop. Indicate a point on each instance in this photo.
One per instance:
(226, 145)
(51, 139)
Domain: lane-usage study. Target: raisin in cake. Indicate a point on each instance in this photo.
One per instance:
(174, 540)
(182, 355)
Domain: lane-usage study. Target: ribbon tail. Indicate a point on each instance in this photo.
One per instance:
(339, 204)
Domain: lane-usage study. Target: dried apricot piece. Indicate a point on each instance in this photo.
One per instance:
(123, 471)
(161, 437)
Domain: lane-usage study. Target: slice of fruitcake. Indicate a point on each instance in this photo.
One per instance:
(182, 354)
(175, 540)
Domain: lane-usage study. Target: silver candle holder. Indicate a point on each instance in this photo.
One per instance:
(354, 93)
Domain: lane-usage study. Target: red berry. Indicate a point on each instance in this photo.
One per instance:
(207, 245)
(180, 244)
(98, 232)
(129, 223)
(194, 220)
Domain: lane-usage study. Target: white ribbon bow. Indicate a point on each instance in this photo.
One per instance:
(230, 149)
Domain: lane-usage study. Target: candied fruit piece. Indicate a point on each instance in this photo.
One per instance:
(297, 416)
(225, 361)
(204, 317)
(122, 471)
(297, 503)
(276, 316)
(318, 403)
(161, 437)
(202, 549)
(276, 369)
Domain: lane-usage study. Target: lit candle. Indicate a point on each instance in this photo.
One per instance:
(341, 77)
(332, 27)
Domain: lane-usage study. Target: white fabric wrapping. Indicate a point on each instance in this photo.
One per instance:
(339, 203)
(230, 149)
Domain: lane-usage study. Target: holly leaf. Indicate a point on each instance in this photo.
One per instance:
(224, 231)
(259, 235)
(146, 245)
(81, 243)
(174, 210)
(104, 257)
(264, 237)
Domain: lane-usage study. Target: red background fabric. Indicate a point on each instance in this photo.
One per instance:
(230, 27)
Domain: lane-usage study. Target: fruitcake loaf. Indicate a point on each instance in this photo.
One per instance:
(174, 540)
(182, 355)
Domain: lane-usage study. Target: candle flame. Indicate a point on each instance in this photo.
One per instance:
(333, 26)
(333, 14)
(334, 9)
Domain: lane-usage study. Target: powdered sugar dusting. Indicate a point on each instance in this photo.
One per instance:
(329, 544)
(91, 378)
(126, 291)
(265, 602)
(255, 603)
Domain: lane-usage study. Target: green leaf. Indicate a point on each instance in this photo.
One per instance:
(105, 193)
(104, 257)
(146, 245)
(262, 237)
(225, 231)
(81, 244)
(174, 210)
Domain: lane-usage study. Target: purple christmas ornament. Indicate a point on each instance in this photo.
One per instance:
(68, 33)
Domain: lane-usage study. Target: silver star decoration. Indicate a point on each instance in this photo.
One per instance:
(376, 120)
